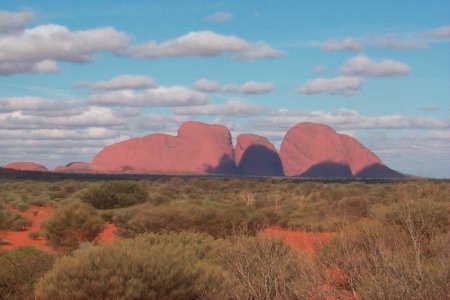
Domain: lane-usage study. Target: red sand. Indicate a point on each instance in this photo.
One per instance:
(108, 234)
(37, 215)
(303, 241)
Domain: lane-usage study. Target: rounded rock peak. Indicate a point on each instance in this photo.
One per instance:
(25, 166)
(197, 128)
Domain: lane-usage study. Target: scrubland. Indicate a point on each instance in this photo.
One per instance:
(200, 238)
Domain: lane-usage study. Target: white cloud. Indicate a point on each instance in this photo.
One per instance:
(86, 116)
(207, 85)
(204, 44)
(37, 49)
(439, 134)
(39, 106)
(341, 85)
(59, 134)
(14, 21)
(363, 66)
(156, 97)
(348, 44)
(349, 119)
(250, 87)
(219, 17)
(231, 107)
(120, 82)
(44, 66)
(439, 33)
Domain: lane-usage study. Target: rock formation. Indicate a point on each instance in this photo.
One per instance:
(25, 166)
(255, 155)
(198, 148)
(316, 150)
(74, 167)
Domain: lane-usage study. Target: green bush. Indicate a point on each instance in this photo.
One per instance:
(71, 225)
(115, 194)
(214, 221)
(150, 266)
(20, 269)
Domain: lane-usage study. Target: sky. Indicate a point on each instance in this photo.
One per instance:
(75, 77)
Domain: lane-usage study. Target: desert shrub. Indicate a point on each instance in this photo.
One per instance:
(12, 221)
(214, 221)
(150, 266)
(266, 268)
(115, 194)
(20, 269)
(378, 262)
(71, 225)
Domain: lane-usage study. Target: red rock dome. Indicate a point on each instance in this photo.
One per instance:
(74, 167)
(316, 150)
(256, 155)
(198, 148)
(26, 166)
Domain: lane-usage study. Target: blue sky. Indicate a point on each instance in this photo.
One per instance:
(378, 70)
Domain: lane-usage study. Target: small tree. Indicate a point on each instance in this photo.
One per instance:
(71, 225)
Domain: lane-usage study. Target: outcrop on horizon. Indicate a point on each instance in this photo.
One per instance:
(256, 155)
(307, 150)
(25, 166)
(316, 150)
(198, 148)
(74, 167)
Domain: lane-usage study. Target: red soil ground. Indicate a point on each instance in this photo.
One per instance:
(303, 241)
(37, 215)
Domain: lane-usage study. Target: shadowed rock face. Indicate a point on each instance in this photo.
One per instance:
(198, 148)
(379, 171)
(255, 155)
(26, 166)
(74, 167)
(316, 150)
(328, 170)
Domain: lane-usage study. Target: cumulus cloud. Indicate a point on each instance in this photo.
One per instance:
(439, 33)
(231, 107)
(219, 17)
(156, 97)
(349, 119)
(364, 66)
(204, 44)
(36, 134)
(206, 85)
(14, 21)
(341, 85)
(120, 82)
(250, 87)
(89, 116)
(348, 44)
(37, 49)
(39, 106)
(11, 68)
